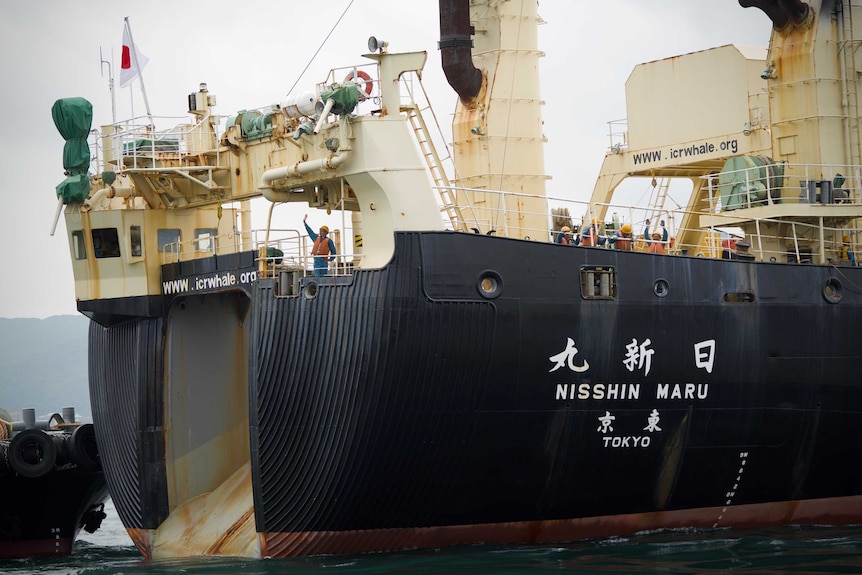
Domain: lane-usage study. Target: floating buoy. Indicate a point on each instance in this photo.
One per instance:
(364, 77)
(32, 453)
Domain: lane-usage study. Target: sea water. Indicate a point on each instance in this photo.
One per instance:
(791, 549)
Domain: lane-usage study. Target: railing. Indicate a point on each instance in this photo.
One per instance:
(618, 131)
(363, 75)
(277, 249)
(131, 144)
(290, 250)
(200, 247)
(720, 239)
(804, 216)
(771, 184)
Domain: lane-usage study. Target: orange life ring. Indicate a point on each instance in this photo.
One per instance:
(365, 77)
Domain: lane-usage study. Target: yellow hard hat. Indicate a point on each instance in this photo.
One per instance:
(626, 229)
(565, 229)
(324, 229)
(846, 239)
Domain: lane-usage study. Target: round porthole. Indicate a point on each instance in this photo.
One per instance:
(310, 290)
(832, 291)
(490, 284)
(660, 288)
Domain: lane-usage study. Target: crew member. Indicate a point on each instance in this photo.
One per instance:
(656, 247)
(623, 238)
(323, 249)
(845, 253)
(565, 236)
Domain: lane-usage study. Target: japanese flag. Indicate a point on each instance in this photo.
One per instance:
(128, 70)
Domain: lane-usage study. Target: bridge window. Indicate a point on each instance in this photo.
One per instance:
(79, 249)
(106, 243)
(169, 240)
(205, 239)
(135, 241)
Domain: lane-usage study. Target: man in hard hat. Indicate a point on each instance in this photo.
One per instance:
(565, 236)
(656, 246)
(623, 238)
(323, 249)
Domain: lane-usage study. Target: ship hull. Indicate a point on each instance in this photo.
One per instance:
(43, 515)
(478, 389)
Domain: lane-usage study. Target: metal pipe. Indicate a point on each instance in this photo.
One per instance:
(456, 49)
(300, 168)
(781, 12)
(326, 109)
(330, 162)
(57, 214)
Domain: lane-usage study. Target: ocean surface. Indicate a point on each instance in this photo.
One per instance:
(791, 549)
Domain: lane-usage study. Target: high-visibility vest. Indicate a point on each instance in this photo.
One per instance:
(321, 247)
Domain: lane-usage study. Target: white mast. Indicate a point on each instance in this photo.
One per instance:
(134, 56)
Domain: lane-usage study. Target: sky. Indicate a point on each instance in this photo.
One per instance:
(252, 53)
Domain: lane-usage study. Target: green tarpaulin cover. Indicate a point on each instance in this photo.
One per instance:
(73, 118)
(346, 97)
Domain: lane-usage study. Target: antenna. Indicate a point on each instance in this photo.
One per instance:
(110, 85)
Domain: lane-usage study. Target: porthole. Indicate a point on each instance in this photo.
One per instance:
(310, 290)
(832, 291)
(490, 284)
(660, 288)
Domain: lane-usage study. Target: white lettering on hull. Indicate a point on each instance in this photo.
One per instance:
(627, 441)
(682, 391)
(630, 391)
(215, 281)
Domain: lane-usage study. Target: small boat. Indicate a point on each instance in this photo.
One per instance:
(463, 367)
(52, 483)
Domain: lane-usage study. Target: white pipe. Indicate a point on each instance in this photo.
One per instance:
(109, 192)
(326, 109)
(57, 214)
(95, 199)
(296, 170)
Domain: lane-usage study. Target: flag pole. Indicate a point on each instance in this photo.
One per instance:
(134, 54)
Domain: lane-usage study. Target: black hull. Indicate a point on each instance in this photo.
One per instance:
(43, 515)
(405, 408)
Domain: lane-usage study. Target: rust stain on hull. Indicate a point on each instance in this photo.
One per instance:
(218, 523)
(141, 539)
(835, 511)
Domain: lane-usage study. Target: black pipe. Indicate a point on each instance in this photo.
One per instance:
(781, 12)
(456, 49)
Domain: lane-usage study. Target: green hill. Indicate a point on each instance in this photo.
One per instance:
(43, 364)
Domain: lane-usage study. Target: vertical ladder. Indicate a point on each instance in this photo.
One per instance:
(435, 166)
(659, 201)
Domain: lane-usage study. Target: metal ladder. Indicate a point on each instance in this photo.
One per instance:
(435, 165)
(658, 203)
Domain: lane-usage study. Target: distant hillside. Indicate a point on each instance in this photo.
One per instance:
(43, 364)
